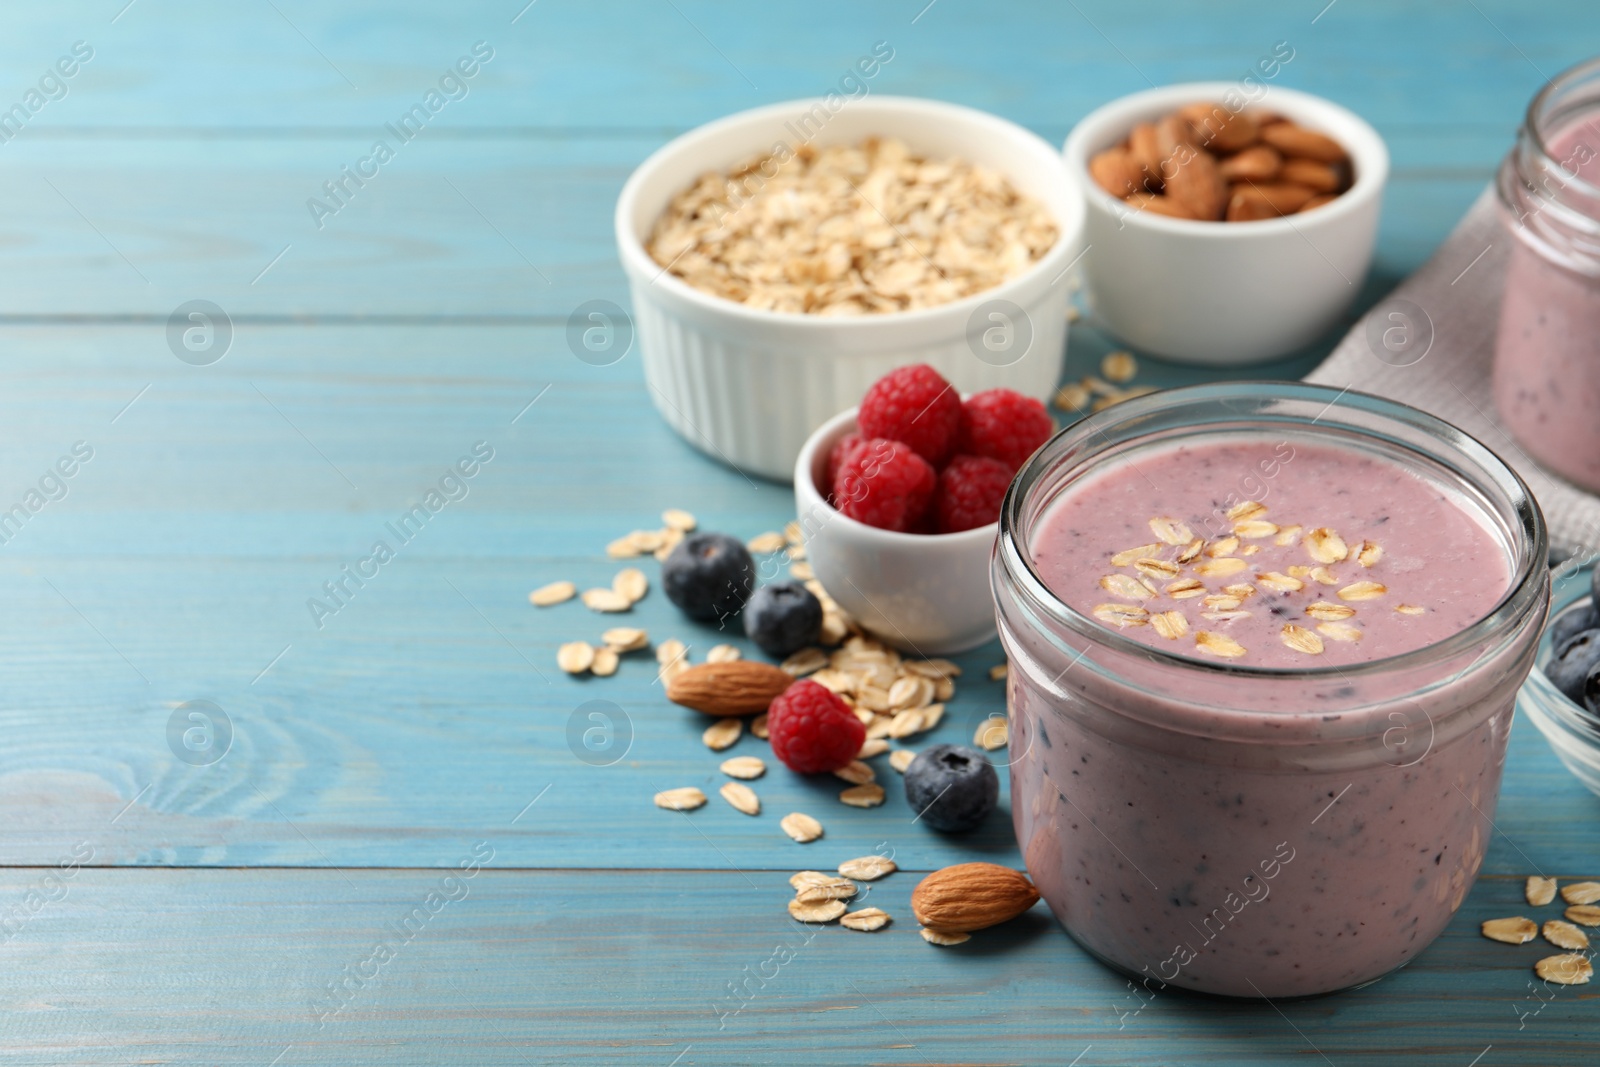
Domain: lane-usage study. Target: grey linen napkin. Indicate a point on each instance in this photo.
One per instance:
(1430, 344)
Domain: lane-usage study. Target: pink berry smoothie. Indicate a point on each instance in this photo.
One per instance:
(1261, 831)
(1547, 349)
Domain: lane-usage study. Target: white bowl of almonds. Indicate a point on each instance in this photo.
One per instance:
(782, 259)
(1222, 230)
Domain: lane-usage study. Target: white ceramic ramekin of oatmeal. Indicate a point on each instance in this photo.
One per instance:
(746, 385)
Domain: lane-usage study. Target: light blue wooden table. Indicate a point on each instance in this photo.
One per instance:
(205, 910)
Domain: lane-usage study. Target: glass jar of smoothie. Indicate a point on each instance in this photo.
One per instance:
(1547, 350)
(1264, 640)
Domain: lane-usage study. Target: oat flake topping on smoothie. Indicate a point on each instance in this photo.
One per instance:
(1270, 553)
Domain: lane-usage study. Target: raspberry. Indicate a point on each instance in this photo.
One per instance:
(1004, 425)
(915, 405)
(835, 454)
(884, 484)
(812, 730)
(969, 494)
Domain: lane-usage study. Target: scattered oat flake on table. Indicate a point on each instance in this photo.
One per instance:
(685, 799)
(933, 668)
(992, 733)
(722, 654)
(605, 662)
(997, 673)
(823, 911)
(1119, 367)
(758, 726)
(631, 583)
(906, 723)
(826, 889)
(764, 543)
(623, 548)
(744, 767)
(804, 662)
(943, 937)
(554, 593)
(575, 657)
(801, 879)
(856, 773)
(1584, 914)
(678, 519)
(669, 650)
(742, 797)
(605, 600)
(863, 796)
(872, 746)
(1540, 891)
(1513, 931)
(722, 733)
(1567, 969)
(801, 827)
(1071, 397)
(867, 919)
(625, 638)
(901, 758)
(1581, 892)
(800, 570)
(867, 868)
(1564, 935)
(911, 691)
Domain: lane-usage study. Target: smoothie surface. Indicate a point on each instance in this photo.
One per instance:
(1270, 552)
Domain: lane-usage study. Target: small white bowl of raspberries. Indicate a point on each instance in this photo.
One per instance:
(899, 504)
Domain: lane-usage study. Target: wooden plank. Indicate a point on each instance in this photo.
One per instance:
(500, 229)
(518, 967)
(173, 169)
(175, 63)
(180, 563)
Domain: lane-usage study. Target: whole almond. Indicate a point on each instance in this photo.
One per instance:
(1313, 175)
(1159, 205)
(1297, 141)
(1195, 182)
(1311, 205)
(1219, 129)
(972, 896)
(1250, 202)
(1115, 171)
(1142, 145)
(740, 687)
(1172, 133)
(1259, 163)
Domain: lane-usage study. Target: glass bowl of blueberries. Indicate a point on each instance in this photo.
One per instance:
(1562, 694)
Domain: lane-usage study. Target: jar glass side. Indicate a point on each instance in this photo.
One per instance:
(1177, 815)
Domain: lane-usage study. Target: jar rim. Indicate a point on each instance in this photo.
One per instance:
(1533, 125)
(1523, 590)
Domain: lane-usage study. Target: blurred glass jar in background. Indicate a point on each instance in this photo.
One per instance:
(1547, 351)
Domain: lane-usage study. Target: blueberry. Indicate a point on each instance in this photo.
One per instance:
(1574, 621)
(783, 618)
(709, 576)
(1573, 660)
(952, 787)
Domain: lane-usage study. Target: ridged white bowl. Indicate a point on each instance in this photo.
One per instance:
(747, 386)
